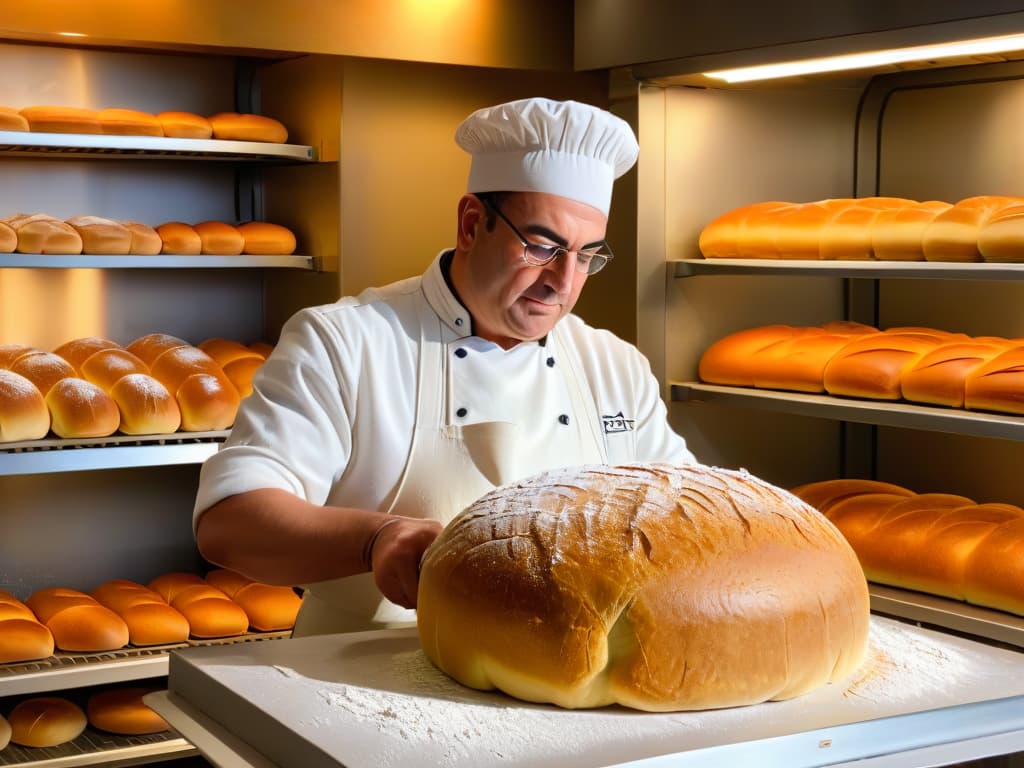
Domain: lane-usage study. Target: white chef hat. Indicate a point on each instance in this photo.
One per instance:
(538, 145)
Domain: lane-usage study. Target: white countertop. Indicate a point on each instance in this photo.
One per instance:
(374, 699)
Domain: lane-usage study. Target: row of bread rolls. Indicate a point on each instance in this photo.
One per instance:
(117, 121)
(49, 721)
(93, 387)
(940, 543)
(40, 233)
(920, 365)
(980, 228)
(169, 609)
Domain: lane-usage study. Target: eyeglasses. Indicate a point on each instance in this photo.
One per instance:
(588, 260)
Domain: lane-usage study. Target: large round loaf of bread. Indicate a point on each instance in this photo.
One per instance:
(654, 586)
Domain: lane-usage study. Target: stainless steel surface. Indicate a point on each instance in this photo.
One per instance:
(54, 674)
(865, 269)
(158, 261)
(101, 749)
(114, 452)
(372, 699)
(948, 614)
(30, 143)
(862, 411)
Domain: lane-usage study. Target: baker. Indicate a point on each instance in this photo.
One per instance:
(378, 418)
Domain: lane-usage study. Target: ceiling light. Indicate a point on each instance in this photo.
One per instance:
(870, 59)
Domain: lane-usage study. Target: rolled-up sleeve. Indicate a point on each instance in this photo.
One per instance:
(294, 431)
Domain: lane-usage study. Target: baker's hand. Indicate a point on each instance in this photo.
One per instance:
(395, 556)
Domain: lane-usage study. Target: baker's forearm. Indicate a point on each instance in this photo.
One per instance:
(273, 536)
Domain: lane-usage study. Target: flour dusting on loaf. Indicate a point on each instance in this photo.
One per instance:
(654, 586)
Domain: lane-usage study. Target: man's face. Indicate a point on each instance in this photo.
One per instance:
(510, 300)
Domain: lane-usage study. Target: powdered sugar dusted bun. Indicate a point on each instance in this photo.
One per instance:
(79, 408)
(657, 587)
(23, 411)
(146, 407)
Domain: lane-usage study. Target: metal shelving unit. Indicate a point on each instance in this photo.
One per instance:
(32, 144)
(158, 261)
(114, 452)
(102, 749)
(878, 412)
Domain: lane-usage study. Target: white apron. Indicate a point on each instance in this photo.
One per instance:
(449, 467)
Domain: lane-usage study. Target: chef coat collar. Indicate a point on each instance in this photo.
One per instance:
(443, 299)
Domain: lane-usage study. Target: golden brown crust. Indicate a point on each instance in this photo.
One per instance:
(653, 586)
(46, 721)
(128, 122)
(23, 411)
(235, 126)
(54, 119)
(122, 711)
(185, 125)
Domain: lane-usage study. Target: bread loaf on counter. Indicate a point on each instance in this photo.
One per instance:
(77, 621)
(269, 608)
(122, 711)
(235, 126)
(46, 721)
(150, 620)
(942, 544)
(23, 411)
(209, 611)
(22, 636)
(653, 586)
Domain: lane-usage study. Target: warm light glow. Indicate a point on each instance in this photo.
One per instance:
(870, 59)
(72, 34)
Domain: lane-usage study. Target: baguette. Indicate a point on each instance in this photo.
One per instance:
(78, 622)
(942, 544)
(150, 620)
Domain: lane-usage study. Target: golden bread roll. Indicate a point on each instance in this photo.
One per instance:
(77, 621)
(185, 125)
(11, 352)
(234, 126)
(149, 347)
(22, 636)
(145, 241)
(128, 122)
(224, 351)
(729, 360)
(77, 351)
(175, 365)
(209, 611)
(44, 369)
(953, 234)
(5, 732)
(206, 397)
(145, 405)
(238, 362)
(943, 544)
(179, 238)
(1001, 238)
(262, 238)
(897, 234)
(47, 235)
(122, 711)
(8, 238)
(219, 238)
(240, 373)
(45, 721)
(51, 119)
(798, 364)
(106, 366)
(720, 238)
(102, 236)
(940, 377)
(652, 586)
(997, 385)
(150, 620)
(872, 366)
(23, 411)
(12, 120)
(269, 608)
(79, 408)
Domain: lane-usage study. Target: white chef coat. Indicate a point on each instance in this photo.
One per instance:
(334, 410)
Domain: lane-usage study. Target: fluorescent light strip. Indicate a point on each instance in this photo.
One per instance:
(870, 59)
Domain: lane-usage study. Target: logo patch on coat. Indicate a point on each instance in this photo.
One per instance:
(617, 423)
